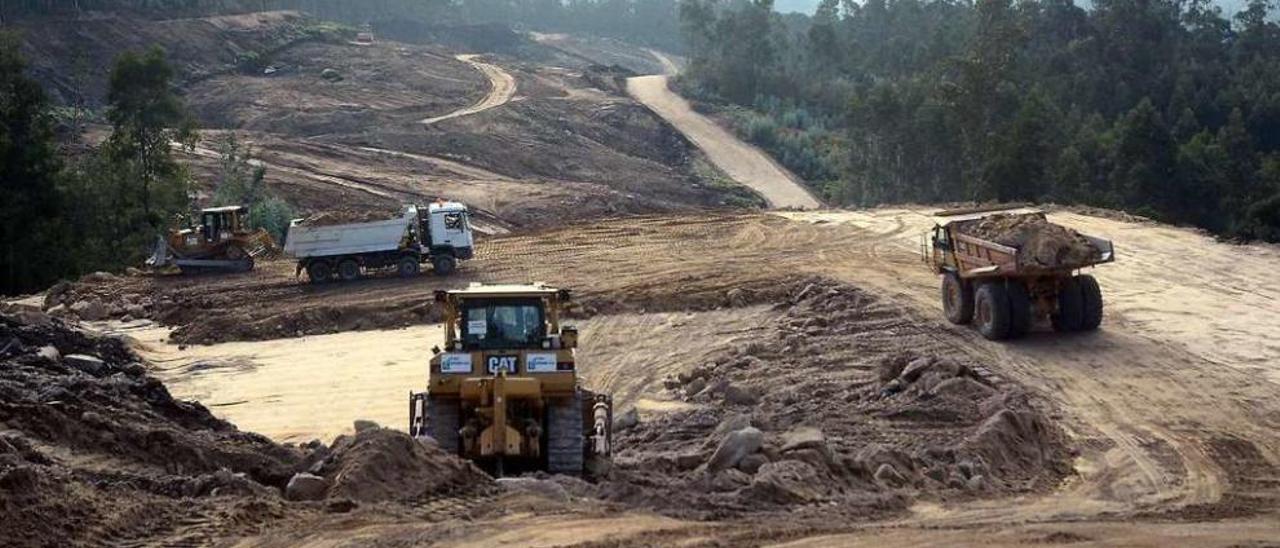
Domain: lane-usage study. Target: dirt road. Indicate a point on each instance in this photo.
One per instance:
(502, 87)
(744, 163)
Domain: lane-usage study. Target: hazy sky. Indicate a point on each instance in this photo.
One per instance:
(1229, 7)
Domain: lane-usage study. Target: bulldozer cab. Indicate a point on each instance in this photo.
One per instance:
(218, 224)
(504, 318)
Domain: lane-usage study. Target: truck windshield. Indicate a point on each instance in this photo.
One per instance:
(503, 324)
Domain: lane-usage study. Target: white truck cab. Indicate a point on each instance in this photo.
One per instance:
(450, 229)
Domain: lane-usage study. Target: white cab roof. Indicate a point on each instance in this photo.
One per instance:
(446, 206)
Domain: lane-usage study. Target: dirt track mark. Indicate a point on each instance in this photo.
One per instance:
(502, 89)
(744, 163)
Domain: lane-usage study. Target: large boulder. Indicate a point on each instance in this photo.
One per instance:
(734, 447)
(92, 310)
(737, 395)
(788, 482)
(803, 437)
(304, 486)
(89, 364)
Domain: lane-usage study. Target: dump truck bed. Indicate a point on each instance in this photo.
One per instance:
(348, 239)
(979, 257)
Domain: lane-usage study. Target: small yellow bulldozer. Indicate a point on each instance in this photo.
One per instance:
(221, 242)
(505, 391)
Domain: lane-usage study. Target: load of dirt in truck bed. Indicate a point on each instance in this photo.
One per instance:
(1040, 243)
(852, 407)
(341, 217)
(95, 451)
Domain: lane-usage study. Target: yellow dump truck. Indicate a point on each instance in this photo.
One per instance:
(1003, 288)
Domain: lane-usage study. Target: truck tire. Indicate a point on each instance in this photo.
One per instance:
(444, 418)
(957, 299)
(565, 440)
(1019, 309)
(1070, 314)
(1091, 301)
(349, 270)
(407, 267)
(991, 311)
(444, 265)
(319, 272)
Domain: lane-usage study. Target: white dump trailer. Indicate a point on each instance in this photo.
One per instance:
(439, 234)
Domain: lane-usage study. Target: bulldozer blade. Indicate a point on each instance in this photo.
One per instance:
(161, 255)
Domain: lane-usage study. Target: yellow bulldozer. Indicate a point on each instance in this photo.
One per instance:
(505, 391)
(221, 242)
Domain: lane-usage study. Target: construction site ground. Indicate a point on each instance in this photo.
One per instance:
(880, 423)
(1169, 410)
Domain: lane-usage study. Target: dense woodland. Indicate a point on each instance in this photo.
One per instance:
(1160, 107)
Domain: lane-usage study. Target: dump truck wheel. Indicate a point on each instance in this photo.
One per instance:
(957, 299)
(407, 267)
(1091, 301)
(349, 270)
(1070, 314)
(444, 418)
(991, 308)
(1019, 309)
(319, 272)
(444, 265)
(565, 441)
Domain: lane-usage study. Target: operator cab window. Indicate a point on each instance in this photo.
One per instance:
(453, 221)
(503, 324)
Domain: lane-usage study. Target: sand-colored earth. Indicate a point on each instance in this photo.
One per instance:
(1170, 405)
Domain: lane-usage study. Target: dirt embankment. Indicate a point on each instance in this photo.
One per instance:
(849, 403)
(93, 450)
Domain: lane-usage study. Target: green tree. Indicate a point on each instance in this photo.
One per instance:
(32, 238)
(149, 187)
(147, 120)
(1144, 161)
(242, 181)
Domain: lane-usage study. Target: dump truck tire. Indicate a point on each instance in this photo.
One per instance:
(349, 270)
(991, 309)
(319, 272)
(1091, 301)
(1019, 309)
(444, 265)
(957, 299)
(1070, 314)
(444, 416)
(565, 442)
(407, 267)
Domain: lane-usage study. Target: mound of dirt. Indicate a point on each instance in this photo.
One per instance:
(1040, 243)
(380, 464)
(90, 445)
(851, 404)
(340, 217)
